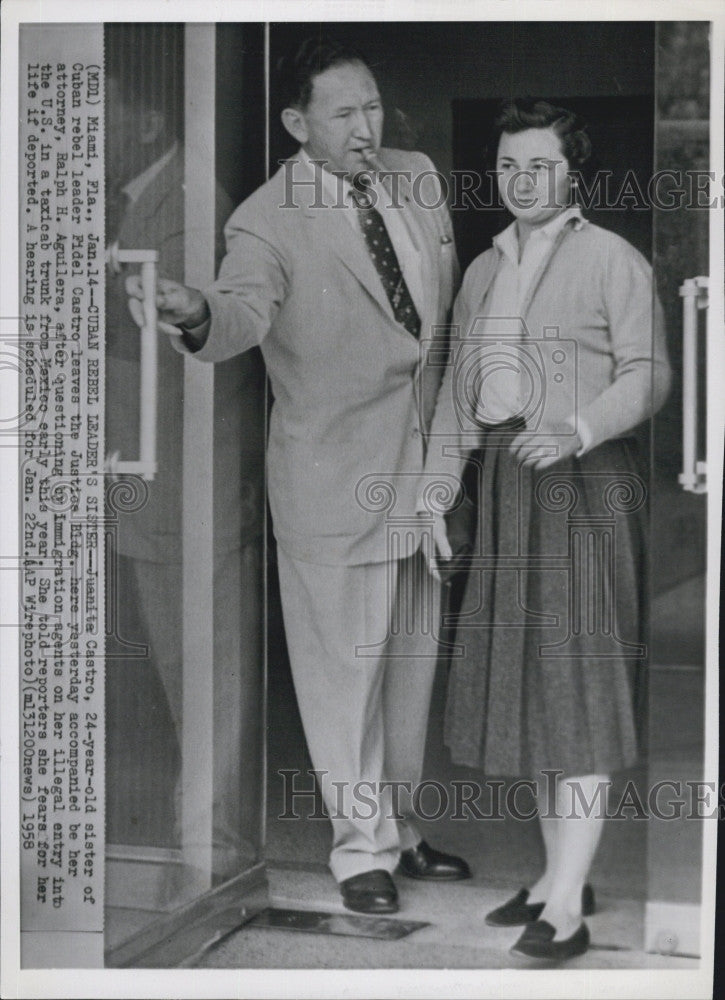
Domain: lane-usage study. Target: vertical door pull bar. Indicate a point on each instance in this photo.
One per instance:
(694, 473)
(146, 464)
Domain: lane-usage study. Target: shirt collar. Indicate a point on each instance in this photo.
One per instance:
(508, 241)
(136, 187)
(336, 189)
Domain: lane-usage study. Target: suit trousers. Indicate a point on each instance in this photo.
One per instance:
(363, 649)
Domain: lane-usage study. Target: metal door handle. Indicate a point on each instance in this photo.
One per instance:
(146, 464)
(694, 472)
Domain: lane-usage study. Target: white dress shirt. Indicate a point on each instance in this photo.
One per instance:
(501, 394)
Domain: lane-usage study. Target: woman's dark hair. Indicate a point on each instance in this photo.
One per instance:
(297, 70)
(525, 113)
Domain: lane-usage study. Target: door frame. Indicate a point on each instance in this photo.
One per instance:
(182, 932)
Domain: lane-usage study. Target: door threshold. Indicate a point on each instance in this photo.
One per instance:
(181, 938)
(334, 924)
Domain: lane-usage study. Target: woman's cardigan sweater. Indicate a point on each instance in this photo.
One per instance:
(593, 330)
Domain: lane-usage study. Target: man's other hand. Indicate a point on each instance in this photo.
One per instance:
(177, 305)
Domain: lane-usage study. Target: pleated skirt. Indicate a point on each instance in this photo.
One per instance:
(553, 617)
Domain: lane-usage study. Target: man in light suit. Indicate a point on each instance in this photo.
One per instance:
(342, 285)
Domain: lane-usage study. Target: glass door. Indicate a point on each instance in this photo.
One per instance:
(184, 537)
(679, 488)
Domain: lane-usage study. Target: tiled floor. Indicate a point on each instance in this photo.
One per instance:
(456, 938)
(504, 856)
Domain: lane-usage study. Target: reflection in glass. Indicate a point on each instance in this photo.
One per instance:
(153, 862)
(678, 517)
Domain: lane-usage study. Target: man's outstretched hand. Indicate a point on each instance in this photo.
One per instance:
(177, 305)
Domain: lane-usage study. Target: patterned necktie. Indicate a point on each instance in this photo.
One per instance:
(382, 253)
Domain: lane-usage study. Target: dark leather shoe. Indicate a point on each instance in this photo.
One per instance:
(537, 941)
(425, 862)
(517, 911)
(370, 892)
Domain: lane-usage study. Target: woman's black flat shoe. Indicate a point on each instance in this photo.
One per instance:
(517, 911)
(537, 941)
(514, 912)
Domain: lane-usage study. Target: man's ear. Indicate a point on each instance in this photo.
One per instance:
(294, 121)
(152, 127)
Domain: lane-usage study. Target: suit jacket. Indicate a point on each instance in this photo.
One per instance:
(352, 392)
(156, 221)
(595, 335)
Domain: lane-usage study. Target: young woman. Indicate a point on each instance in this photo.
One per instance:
(560, 354)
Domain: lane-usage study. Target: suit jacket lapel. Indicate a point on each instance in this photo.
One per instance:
(422, 225)
(333, 229)
(543, 267)
(425, 238)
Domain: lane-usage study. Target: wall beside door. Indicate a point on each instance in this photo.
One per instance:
(422, 68)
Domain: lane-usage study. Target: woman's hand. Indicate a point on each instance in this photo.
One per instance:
(440, 537)
(442, 550)
(549, 444)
